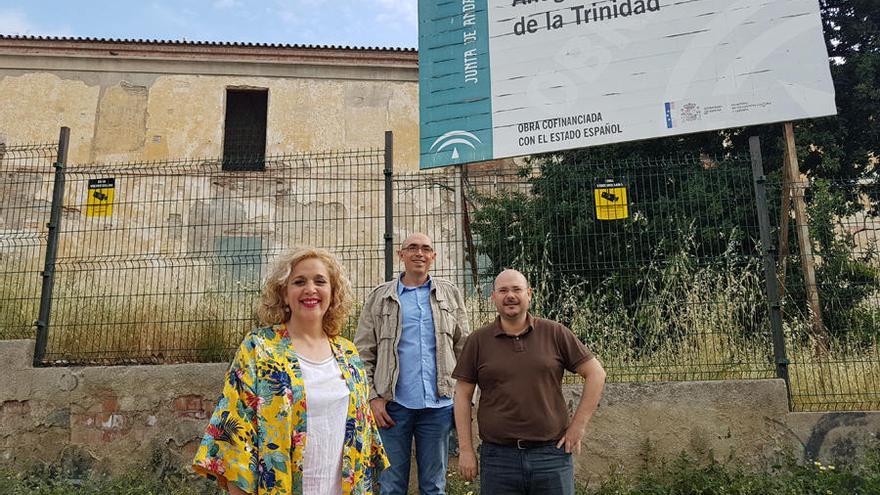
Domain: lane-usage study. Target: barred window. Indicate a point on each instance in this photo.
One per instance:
(244, 135)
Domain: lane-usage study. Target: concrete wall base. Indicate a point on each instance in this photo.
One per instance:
(109, 419)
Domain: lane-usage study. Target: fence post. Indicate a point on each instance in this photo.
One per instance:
(389, 205)
(769, 253)
(51, 248)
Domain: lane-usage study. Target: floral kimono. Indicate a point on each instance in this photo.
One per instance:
(258, 433)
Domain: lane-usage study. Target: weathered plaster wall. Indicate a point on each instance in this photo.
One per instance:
(132, 117)
(36, 105)
(112, 417)
(746, 420)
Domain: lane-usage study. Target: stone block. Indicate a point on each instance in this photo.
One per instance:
(17, 354)
(723, 418)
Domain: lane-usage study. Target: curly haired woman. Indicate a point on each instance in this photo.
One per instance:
(294, 416)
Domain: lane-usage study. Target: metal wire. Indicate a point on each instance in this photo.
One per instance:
(655, 264)
(26, 189)
(169, 270)
(670, 291)
(835, 363)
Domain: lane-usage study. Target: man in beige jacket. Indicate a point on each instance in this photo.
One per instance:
(410, 333)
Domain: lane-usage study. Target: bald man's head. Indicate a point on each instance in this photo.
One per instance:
(512, 295)
(416, 238)
(417, 254)
(511, 275)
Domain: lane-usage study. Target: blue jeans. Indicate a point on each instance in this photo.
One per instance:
(430, 428)
(541, 470)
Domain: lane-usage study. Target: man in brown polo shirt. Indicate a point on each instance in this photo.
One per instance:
(518, 362)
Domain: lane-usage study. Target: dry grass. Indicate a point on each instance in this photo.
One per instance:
(710, 323)
(205, 326)
(19, 304)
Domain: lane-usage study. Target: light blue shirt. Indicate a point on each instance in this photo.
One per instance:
(417, 350)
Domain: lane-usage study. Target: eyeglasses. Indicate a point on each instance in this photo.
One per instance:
(413, 249)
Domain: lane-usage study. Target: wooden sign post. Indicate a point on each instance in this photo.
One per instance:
(794, 184)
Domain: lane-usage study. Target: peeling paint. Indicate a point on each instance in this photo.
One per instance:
(120, 123)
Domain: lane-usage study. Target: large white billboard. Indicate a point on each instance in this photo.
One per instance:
(502, 78)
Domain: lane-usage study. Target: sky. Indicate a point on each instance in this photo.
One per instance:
(376, 23)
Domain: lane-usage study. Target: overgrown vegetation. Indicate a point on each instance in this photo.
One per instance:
(50, 481)
(847, 274)
(690, 475)
(684, 475)
(687, 475)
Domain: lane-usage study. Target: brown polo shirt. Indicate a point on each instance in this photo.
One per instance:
(520, 379)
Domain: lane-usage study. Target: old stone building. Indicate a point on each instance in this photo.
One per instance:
(130, 101)
(191, 165)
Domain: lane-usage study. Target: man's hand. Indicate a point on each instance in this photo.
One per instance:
(467, 464)
(572, 438)
(383, 419)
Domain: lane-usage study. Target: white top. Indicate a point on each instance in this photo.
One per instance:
(326, 412)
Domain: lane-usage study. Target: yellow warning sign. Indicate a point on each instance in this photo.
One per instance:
(611, 200)
(100, 200)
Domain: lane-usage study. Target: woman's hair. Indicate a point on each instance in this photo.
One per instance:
(272, 310)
